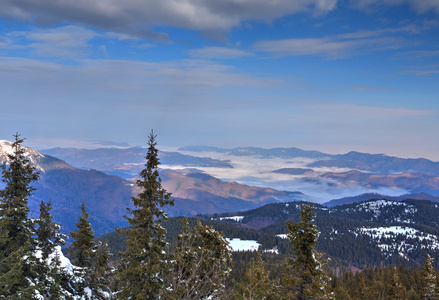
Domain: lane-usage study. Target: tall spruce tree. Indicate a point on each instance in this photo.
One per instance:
(81, 249)
(91, 258)
(307, 279)
(101, 271)
(430, 289)
(16, 244)
(53, 281)
(49, 233)
(143, 265)
(396, 290)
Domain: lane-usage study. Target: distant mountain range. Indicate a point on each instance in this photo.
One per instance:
(372, 163)
(89, 176)
(255, 151)
(127, 162)
(108, 196)
(374, 196)
(206, 194)
(354, 169)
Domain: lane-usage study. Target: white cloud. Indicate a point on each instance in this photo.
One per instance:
(366, 88)
(138, 17)
(67, 41)
(422, 70)
(332, 47)
(420, 6)
(352, 113)
(342, 45)
(123, 78)
(424, 53)
(218, 52)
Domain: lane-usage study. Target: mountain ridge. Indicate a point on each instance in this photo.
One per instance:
(108, 196)
(374, 196)
(378, 163)
(371, 233)
(127, 162)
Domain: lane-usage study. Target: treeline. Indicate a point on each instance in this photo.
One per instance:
(181, 259)
(388, 282)
(32, 265)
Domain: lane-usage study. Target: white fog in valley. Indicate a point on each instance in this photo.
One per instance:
(257, 171)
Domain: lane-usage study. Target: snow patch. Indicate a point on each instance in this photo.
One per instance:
(238, 245)
(235, 218)
(401, 239)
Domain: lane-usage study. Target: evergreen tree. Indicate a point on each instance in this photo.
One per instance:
(143, 265)
(200, 264)
(307, 279)
(430, 290)
(341, 293)
(53, 281)
(100, 283)
(49, 233)
(396, 290)
(256, 284)
(16, 229)
(363, 292)
(91, 258)
(81, 249)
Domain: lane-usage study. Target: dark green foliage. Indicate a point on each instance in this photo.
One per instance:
(256, 284)
(49, 233)
(91, 257)
(81, 249)
(306, 280)
(430, 288)
(388, 282)
(396, 290)
(200, 264)
(143, 265)
(340, 238)
(16, 229)
(53, 281)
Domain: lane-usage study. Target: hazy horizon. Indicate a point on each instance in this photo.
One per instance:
(333, 76)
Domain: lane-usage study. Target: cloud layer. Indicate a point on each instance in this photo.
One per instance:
(420, 6)
(218, 52)
(339, 45)
(139, 17)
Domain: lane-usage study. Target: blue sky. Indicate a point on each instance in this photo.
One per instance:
(328, 75)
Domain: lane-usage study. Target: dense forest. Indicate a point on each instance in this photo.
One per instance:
(189, 258)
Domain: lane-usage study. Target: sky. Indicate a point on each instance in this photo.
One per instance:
(327, 75)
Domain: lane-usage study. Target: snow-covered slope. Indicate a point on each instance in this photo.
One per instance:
(389, 210)
(400, 239)
(33, 155)
(372, 232)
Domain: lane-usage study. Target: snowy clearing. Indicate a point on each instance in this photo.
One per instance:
(238, 245)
